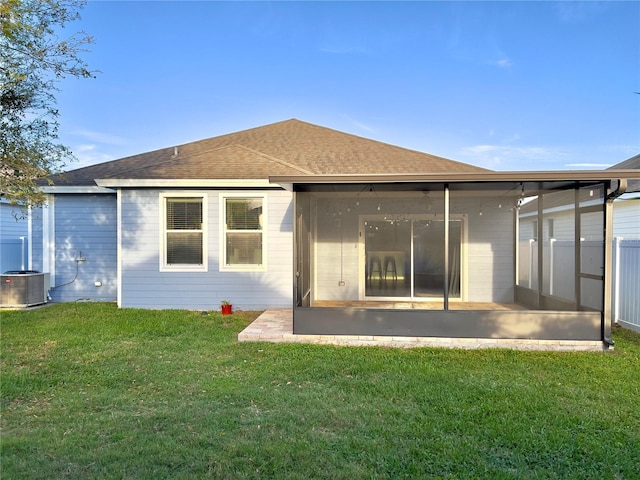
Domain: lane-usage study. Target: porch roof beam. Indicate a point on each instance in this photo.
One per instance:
(555, 176)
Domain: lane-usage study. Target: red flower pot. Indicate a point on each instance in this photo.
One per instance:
(227, 309)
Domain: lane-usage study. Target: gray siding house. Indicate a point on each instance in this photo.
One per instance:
(626, 251)
(111, 231)
(356, 236)
(626, 217)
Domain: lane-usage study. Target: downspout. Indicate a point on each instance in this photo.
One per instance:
(608, 260)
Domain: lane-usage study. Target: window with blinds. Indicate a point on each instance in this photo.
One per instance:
(184, 231)
(243, 232)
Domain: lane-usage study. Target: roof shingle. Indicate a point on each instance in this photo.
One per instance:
(291, 147)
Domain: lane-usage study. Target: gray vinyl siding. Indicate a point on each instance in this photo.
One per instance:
(564, 228)
(489, 256)
(145, 286)
(85, 227)
(626, 219)
(337, 256)
(12, 227)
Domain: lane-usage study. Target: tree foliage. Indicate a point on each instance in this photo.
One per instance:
(34, 57)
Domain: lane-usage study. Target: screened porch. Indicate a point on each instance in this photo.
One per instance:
(489, 257)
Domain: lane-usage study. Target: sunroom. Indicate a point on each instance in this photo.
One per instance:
(454, 256)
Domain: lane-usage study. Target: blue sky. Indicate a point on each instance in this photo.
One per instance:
(503, 85)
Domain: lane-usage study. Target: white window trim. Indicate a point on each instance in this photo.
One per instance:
(204, 267)
(223, 230)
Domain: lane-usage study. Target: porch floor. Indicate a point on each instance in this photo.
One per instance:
(276, 326)
(435, 305)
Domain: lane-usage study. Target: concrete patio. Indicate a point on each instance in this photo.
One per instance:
(276, 326)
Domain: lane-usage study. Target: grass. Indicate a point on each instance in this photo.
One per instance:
(91, 391)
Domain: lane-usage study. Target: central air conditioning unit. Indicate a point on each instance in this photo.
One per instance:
(23, 288)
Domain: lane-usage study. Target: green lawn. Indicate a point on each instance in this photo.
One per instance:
(90, 391)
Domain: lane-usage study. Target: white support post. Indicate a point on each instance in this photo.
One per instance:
(29, 238)
(49, 239)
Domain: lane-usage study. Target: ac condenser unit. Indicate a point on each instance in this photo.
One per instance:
(23, 288)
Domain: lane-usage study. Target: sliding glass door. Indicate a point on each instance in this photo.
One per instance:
(405, 258)
(387, 269)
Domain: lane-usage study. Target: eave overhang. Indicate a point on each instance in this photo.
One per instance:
(555, 177)
(184, 183)
(91, 189)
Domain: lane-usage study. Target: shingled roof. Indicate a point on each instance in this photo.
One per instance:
(629, 163)
(632, 163)
(291, 147)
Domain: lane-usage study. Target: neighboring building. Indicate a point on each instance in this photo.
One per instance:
(626, 251)
(556, 232)
(626, 208)
(357, 236)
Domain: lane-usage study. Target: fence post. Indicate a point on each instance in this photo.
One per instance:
(552, 241)
(616, 275)
(531, 242)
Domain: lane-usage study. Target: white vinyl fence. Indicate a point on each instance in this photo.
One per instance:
(626, 283)
(558, 268)
(13, 254)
